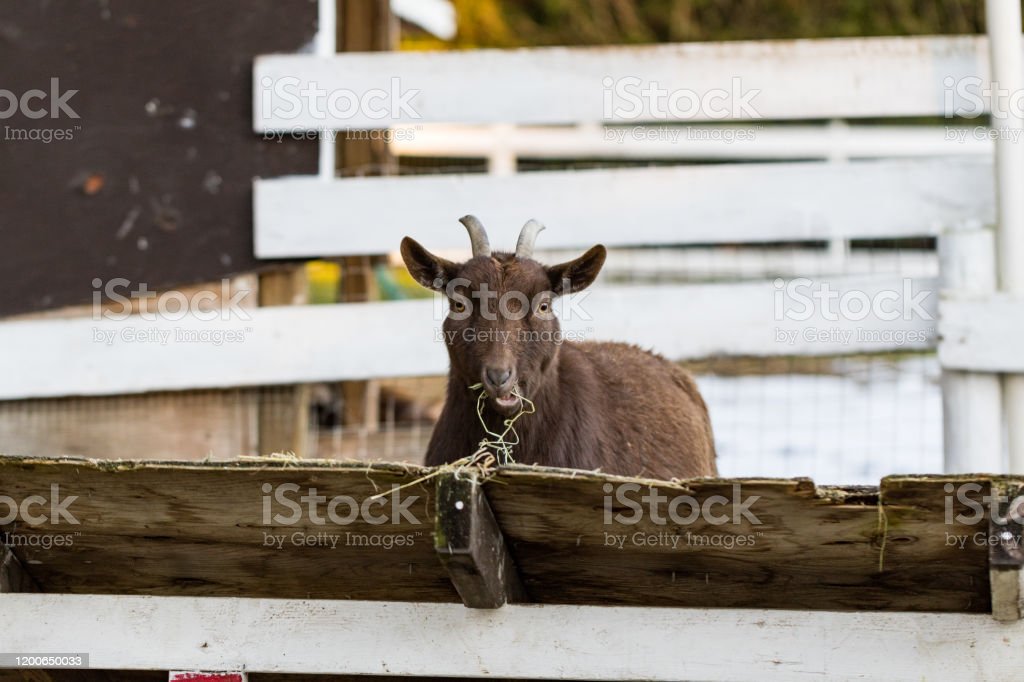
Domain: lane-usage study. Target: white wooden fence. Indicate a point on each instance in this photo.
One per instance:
(515, 641)
(796, 80)
(949, 187)
(299, 344)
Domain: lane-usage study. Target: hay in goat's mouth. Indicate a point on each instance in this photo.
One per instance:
(493, 451)
(502, 443)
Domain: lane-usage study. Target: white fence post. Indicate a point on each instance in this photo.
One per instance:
(972, 416)
(502, 159)
(1003, 18)
(326, 45)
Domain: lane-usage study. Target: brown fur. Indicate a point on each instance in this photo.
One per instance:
(607, 406)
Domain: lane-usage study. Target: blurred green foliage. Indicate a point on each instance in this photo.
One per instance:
(515, 23)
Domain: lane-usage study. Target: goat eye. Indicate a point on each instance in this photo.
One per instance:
(458, 306)
(544, 307)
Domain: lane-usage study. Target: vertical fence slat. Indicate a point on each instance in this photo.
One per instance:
(971, 401)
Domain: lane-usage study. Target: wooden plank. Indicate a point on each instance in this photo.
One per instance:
(518, 642)
(980, 334)
(872, 550)
(471, 546)
(13, 576)
(222, 530)
(304, 216)
(704, 321)
(217, 530)
(803, 79)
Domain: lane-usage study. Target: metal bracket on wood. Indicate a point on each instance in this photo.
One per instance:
(470, 544)
(13, 577)
(1005, 553)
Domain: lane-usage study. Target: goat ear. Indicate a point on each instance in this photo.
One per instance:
(431, 271)
(576, 275)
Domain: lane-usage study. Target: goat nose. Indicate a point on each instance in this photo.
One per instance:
(499, 377)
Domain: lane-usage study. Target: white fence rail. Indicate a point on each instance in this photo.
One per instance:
(293, 344)
(519, 642)
(781, 80)
(298, 216)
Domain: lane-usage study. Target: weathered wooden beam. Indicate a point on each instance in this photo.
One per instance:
(471, 546)
(1005, 553)
(13, 576)
(361, 410)
(363, 26)
(284, 410)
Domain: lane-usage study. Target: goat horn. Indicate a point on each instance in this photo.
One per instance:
(524, 247)
(477, 236)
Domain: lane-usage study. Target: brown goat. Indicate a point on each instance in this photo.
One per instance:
(607, 406)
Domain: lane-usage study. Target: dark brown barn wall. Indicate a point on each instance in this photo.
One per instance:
(155, 184)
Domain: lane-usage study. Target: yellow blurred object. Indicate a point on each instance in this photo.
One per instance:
(403, 278)
(323, 271)
(324, 278)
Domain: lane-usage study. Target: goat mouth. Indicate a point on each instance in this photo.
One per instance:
(507, 402)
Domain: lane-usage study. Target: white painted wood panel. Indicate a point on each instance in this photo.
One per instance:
(803, 79)
(304, 216)
(982, 334)
(299, 344)
(972, 402)
(520, 642)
